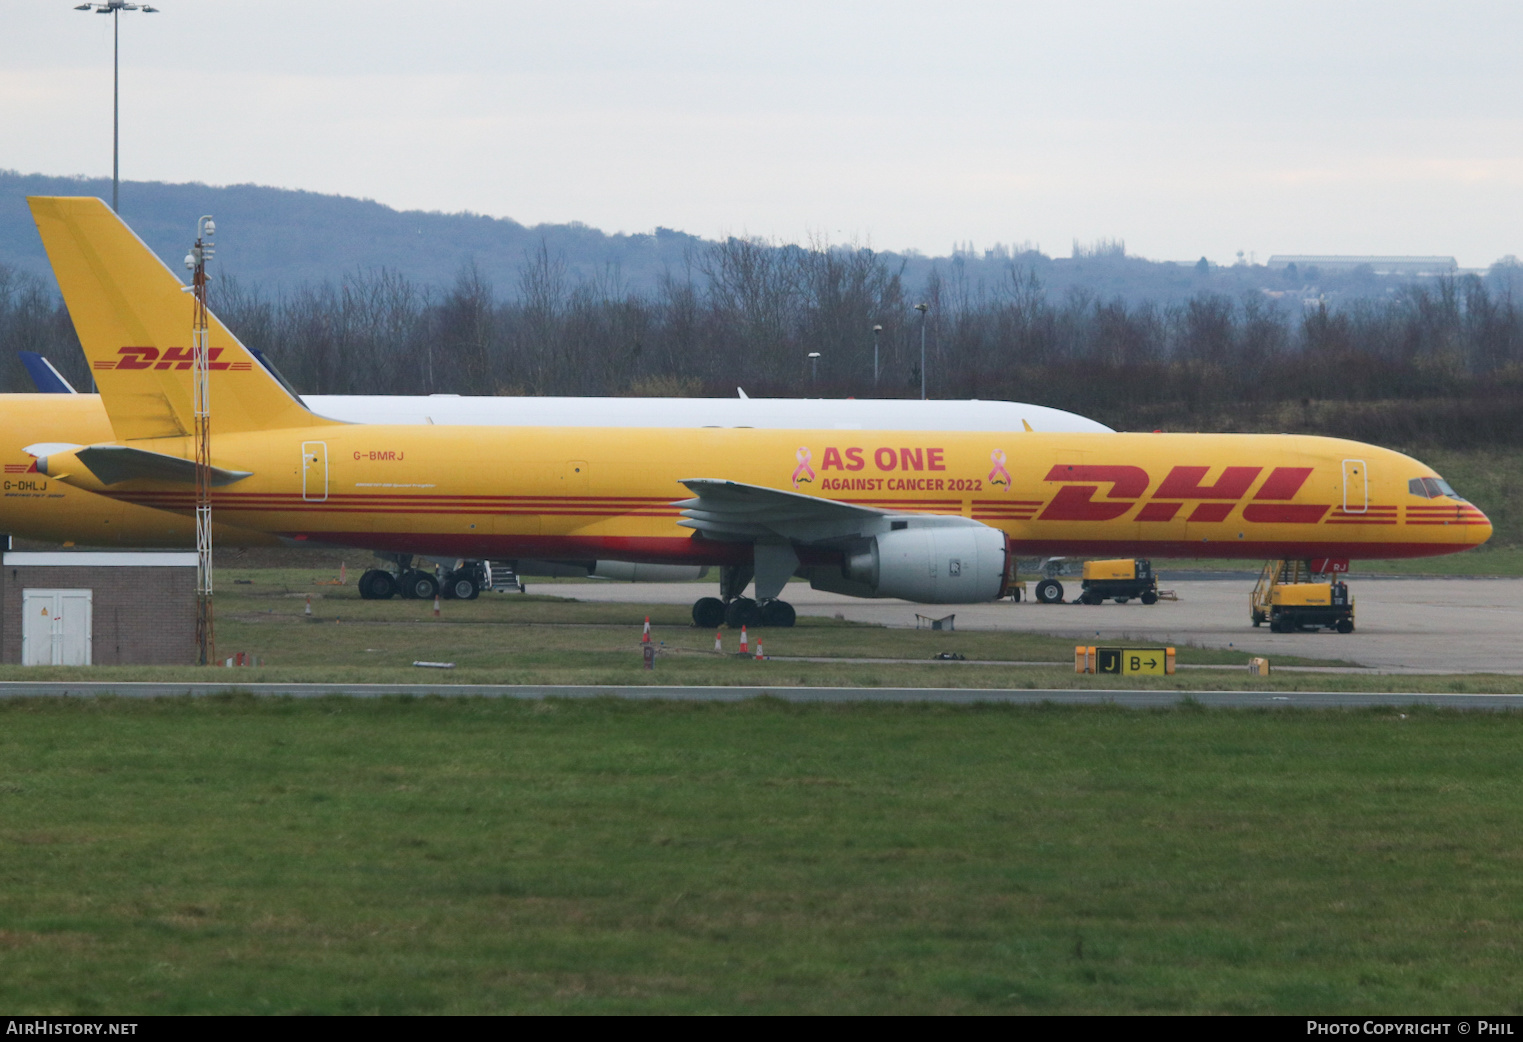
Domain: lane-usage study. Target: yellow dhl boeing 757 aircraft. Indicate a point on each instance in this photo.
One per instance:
(922, 516)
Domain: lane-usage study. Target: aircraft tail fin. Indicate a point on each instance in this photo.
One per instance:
(133, 317)
(47, 378)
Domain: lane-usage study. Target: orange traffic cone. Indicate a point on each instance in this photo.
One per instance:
(343, 576)
(759, 655)
(645, 637)
(718, 642)
(436, 605)
(309, 605)
(745, 646)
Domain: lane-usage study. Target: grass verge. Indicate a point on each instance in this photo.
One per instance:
(481, 856)
(538, 639)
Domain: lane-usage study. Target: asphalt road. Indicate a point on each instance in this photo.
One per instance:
(1403, 625)
(1128, 699)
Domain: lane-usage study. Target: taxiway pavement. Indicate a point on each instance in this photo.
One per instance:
(1403, 625)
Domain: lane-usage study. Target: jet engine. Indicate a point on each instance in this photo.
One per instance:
(931, 562)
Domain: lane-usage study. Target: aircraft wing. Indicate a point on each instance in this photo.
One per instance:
(733, 511)
(884, 553)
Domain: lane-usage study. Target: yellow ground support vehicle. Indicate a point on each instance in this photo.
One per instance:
(1120, 581)
(1290, 597)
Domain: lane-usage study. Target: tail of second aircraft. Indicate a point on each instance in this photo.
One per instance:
(134, 317)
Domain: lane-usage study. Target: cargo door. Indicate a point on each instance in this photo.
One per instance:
(314, 471)
(1356, 486)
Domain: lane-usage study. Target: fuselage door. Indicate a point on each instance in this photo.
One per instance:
(1356, 486)
(314, 471)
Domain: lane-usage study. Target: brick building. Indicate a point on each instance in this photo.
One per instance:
(103, 609)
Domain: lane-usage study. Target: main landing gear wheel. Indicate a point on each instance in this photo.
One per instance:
(377, 585)
(1049, 591)
(461, 586)
(708, 613)
(742, 611)
(419, 586)
(778, 613)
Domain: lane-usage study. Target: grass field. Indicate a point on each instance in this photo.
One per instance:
(538, 639)
(400, 855)
(456, 856)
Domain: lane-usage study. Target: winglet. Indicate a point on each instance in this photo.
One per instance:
(134, 323)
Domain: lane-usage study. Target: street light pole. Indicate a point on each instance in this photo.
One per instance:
(116, 110)
(114, 9)
(922, 308)
(876, 331)
(814, 370)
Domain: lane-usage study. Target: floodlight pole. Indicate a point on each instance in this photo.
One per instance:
(200, 370)
(116, 109)
(922, 308)
(876, 331)
(114, 8)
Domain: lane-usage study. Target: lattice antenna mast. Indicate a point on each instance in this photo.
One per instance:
(200, 370)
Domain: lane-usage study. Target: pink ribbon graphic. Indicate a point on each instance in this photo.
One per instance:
(999, 475)
(803, 472)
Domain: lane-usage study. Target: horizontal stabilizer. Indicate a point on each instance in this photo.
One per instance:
(113, 464)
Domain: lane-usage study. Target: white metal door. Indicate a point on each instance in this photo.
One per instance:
(1356, 486)
(314, 471)
(56, 627)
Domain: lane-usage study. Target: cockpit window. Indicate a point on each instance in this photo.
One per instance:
(1432, 488)
(1443, 489)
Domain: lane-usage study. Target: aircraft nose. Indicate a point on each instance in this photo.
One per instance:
(1477, 524)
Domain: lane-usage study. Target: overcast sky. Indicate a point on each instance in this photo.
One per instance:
(1183, 128)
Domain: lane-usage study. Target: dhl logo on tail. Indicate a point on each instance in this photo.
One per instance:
(134, 318)
(172, 358)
